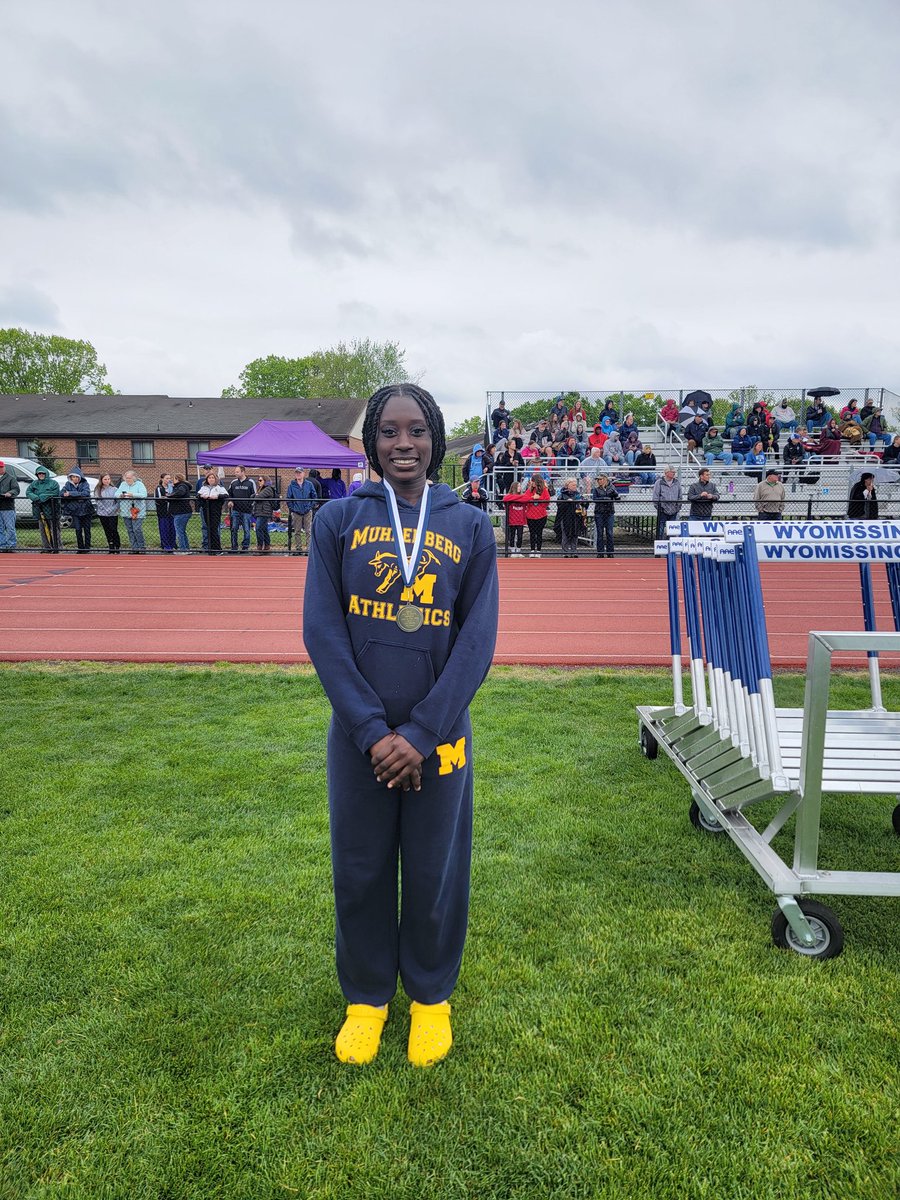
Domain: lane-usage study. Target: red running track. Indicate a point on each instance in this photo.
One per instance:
(588, 612)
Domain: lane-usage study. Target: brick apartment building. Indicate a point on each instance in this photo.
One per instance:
(154, 434)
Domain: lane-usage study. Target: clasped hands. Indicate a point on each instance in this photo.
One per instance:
(397, 762)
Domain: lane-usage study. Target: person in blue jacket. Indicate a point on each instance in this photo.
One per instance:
(401, 628)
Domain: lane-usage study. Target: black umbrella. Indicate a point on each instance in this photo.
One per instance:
(821, 393)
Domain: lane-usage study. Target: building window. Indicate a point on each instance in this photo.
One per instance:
(87, 452)
(25, 448)
(142, 452)
(196, 448)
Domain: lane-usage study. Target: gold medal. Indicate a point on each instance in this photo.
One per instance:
(410, 618)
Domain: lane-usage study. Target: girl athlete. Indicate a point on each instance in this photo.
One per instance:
(400, 620)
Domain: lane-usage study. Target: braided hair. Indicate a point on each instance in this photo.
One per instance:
(434, 419)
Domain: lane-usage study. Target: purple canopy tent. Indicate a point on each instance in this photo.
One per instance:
(285, 444)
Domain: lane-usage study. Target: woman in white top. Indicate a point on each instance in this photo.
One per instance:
(212, 497)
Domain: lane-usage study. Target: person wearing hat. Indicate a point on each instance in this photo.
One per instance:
(301, 501)
(9, 489)
(768, 496)
(76, 501)
(43, 492)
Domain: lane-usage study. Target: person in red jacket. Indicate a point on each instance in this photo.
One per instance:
(536, 500)
(515, 517)
(597, 438)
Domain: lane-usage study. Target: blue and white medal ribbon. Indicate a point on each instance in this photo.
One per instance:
(409, 616)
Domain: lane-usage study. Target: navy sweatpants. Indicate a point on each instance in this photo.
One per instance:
(429, 833)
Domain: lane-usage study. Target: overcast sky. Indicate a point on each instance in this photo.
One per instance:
(676, 193)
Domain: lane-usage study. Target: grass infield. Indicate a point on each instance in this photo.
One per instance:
(624, 1027)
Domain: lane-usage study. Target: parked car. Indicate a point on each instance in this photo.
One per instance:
(25, 470)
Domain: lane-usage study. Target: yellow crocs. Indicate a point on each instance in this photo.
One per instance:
(360, 1035)
(430, 1036)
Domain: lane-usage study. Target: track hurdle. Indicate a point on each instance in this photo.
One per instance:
(736, 748)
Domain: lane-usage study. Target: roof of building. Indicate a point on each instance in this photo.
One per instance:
(170, 416)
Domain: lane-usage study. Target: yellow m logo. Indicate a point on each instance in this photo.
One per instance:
(452, 756)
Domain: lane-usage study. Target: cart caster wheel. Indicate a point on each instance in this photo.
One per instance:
(650, 746)
(824, 924)
(700, 820)
(895, 817)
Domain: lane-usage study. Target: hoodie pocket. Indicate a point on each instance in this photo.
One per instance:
(400, 676)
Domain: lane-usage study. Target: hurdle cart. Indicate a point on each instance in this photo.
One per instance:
(733, 745)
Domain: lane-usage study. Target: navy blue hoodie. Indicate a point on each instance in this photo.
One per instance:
(377, 677)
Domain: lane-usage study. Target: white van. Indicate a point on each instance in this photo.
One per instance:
(25, 470)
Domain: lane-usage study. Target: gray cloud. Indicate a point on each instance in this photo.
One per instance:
(24, 305)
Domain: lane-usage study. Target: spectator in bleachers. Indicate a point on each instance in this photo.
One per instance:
(515, 517)
(542, 434)
(769, 495)
(560, 409)
(613, 451)
(107, 507)
(784, 417)
(645, 460)
(829, 444)
(264, 509)
(597, 438)
(701, 496)
(850, 412)
(741, 445)
(570, 516)
(517, 430)
(756, 460)
(851, 432)
(667, 500)
(577, 412)
(892, 453)
(180, 511)
(609, 417)
(581, 436)
(630, 436)
(734, 420)
(569, 449)
(873, 426)
(487, 475)
(537, 498)
(212, 499)
(530, 452)
(669, 414)
(76, 504)
(695, 432)
(714, 448)
(816, 415)
(473, 493)
(501, 433)
(758, 426)
(553, 425)
(591, 467)
(164, 513)
(133, 508)
(863, 500)
(794, 453)
(604, 496)
(241, 491)
(499, 414)
(473, 467)
(510, 465)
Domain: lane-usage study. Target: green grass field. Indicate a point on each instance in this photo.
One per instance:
(624, 1027)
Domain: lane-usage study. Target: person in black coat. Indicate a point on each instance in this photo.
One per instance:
(863, 499)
